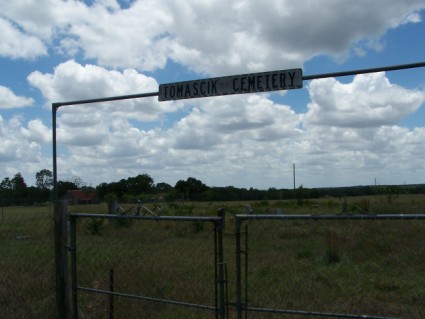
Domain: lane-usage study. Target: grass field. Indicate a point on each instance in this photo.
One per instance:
(361, 267)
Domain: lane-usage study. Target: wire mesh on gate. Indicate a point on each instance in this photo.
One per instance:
(146, 267)
(324, 266)
(27, 278)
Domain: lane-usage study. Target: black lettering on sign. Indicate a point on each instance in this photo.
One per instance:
(282, 80)
(195, 89)
(214, 87)
(179, 90)
(267, 82)
(187, 91)
(172, 91)
(275, 84)
(236, 84)
(292, 77)
(251, 83)
(259, 83)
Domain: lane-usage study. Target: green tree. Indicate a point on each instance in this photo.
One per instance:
(6, 191)
(191, 188)
(6, 183)
(78, 181)
(141, 184)
(163, 188)
(18, 183)
(19, 189)
(64, 186)
(44, 179)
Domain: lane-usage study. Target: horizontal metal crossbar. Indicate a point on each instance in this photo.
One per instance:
(155, 218)
(331, 217)
(315, 314)
(159, 300)
(105, 99)
(363, 71)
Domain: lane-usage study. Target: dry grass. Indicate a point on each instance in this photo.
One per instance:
(373, 267)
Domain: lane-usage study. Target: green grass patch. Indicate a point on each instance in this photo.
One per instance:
(361, 267)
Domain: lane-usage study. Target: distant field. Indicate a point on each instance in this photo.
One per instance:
(368, 267)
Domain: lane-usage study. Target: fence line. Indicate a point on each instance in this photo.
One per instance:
(27, 273)
(255, 264)
(151, 228)
(177, 266)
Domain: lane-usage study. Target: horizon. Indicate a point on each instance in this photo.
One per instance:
(337, 131)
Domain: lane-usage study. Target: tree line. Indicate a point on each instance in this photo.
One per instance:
(14, 191)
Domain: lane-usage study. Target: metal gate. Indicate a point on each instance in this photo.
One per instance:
(300, 266)
(146, 266)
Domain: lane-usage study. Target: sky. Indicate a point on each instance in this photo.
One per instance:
(356, 130)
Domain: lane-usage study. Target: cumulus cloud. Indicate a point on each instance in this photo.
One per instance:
(219, 37)
(216, 37)
(89, 124)
(8, 99)
(72, 81)
(347, 127)
(37, 132)
(17, 44)
(233, 119)
(233, 140)
(370, 100)
(18, 151)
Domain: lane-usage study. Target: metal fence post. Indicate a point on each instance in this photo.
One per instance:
(220, 263)
(238, 268)
(61, 259)
(73, 250)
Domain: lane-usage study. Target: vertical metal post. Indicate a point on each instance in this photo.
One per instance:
(55, 107)
(246, 269)
(111, 296)
(219, 225)
(238, 268)
(73, 249)
(61, 259)
(216, 271)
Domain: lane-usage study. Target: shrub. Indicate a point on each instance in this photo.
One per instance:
(95, 226)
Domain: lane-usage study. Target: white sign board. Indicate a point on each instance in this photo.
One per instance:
(235, 84)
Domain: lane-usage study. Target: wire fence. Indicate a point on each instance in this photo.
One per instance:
(244, 265)
(27, 274)
(332, 266)
(146, 267)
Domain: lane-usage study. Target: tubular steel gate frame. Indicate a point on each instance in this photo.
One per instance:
(61, 271)
(242, 306)
(219, 271)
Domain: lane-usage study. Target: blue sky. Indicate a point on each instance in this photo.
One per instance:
(339, 132)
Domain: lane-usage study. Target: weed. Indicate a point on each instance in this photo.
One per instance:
(95, 226)
(197, 226)
(332, 253)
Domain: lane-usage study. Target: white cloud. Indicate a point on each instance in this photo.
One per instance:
(90, 124)
(17, 44)
(233, 119)
(37, 132)
(234, 140)
(46, 19)
(348, 135)
(214, 37)
(73, 81)
(369, 101)
(8, 99)
(21, 147)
